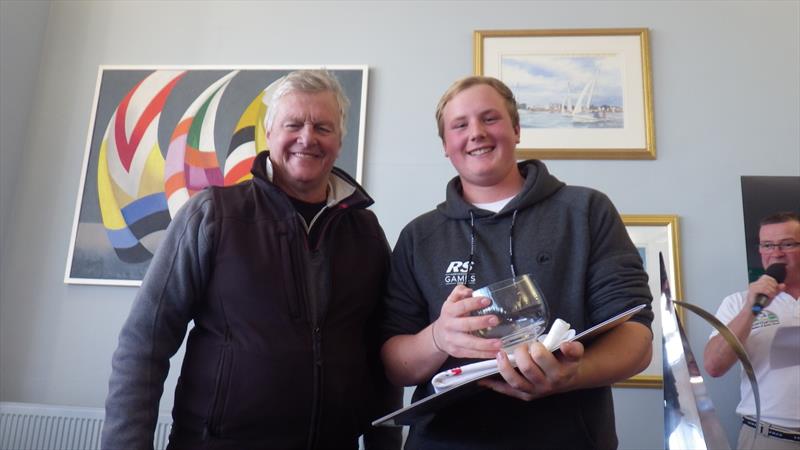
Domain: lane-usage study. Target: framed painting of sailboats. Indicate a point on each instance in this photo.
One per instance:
(581, 94)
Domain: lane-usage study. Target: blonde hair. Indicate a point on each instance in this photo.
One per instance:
(466, 83)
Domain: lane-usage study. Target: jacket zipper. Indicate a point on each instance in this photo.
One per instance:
(316, 331)
(214, 423)
(315, 314)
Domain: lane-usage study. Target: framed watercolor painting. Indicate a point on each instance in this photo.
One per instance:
(581, 94)
(158, 135)
(654, 234)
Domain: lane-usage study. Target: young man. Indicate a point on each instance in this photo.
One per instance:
(502, 218)
(778, 382)
(282, 354)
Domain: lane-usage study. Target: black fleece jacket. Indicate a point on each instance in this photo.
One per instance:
(282, 354)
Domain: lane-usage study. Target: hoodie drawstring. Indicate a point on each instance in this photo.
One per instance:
(472, 245)
(511, 244)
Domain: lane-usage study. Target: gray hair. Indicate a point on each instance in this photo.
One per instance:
(309, 81)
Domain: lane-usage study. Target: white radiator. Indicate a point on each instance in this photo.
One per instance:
(28, 426)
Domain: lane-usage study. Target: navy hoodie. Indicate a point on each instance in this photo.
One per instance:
(574, 244)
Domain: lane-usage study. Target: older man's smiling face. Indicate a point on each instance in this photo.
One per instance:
(304, 142)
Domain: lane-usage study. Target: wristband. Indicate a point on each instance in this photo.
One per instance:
(433, 336)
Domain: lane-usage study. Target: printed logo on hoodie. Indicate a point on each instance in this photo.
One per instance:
(456, 273)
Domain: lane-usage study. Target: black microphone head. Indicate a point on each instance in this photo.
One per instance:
(777, 271)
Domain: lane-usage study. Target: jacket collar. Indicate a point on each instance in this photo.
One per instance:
(343, 190)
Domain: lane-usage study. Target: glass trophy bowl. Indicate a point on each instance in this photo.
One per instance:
(521, 308)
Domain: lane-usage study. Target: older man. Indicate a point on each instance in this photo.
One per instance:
(779, 243)
(282, 353)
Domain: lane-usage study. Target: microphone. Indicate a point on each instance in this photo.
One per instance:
(776, 271)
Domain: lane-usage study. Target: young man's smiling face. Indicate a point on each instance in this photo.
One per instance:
(479, 137)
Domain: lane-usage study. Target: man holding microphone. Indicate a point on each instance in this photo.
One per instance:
(766, 319)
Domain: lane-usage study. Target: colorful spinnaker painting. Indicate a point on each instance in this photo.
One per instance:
(158, 137)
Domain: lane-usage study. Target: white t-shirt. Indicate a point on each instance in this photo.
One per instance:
(494, 207)
(777, 386)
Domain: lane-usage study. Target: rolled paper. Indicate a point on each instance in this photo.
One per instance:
(556, 335)
(458, 376)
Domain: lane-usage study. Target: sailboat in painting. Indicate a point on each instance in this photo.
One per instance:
(566, 104)
(583, 106)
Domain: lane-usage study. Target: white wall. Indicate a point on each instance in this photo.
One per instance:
(22, 31)
(726, 84)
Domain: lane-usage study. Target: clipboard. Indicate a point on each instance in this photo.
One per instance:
(428, 405)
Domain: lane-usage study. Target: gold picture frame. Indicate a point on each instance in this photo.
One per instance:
(581, 93)
(654, 234)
